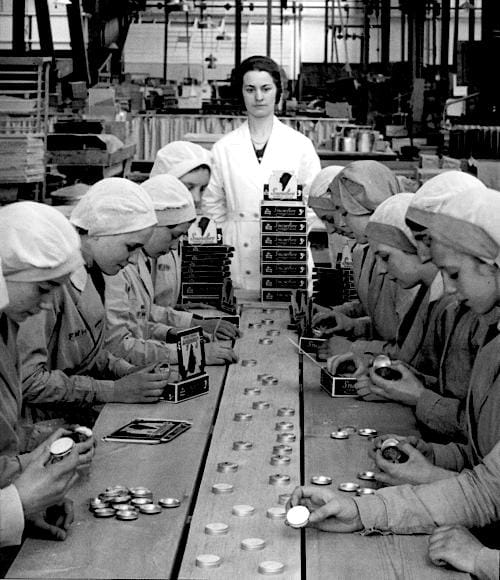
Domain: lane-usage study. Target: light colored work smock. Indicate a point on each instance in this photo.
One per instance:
(61, 350)
(167, 279)
(236, 187)
(471, 499)
(136, 328)
(11, 517)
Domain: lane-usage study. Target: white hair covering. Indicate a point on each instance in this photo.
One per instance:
(4, 297)
(387, 224)
(430, 196)
(37, 243)
(114, 206)
(319, 196)
(180, 157)
(172, 200)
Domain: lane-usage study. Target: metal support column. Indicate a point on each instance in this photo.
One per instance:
(325, 55)
(78, 48)
(18, 15)
(166, 13)
(385, 33)
(445, 46)
(269, 25)
(44, 27)
(237, 34)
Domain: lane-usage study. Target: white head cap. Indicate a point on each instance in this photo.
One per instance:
(37, 243)
(172, 200)
(319, 195)
(180, 157)
(114, 206)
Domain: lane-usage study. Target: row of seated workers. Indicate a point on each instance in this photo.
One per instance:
(89, 308)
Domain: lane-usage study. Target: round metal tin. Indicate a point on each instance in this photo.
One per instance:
(283, 498)
(169, 502)
(261, 376)
(268, 321)
(321, 479)
(220, 488)
(367, 475)
(150, 509)
(122, 507)
(365, 491)
(216, 529)
(60, 448)
(82, 433)
(286, 437)
(252, 391)
(317, 332)
(227, 467)
(367, 432)
(138, 501)
(349, 429)
(285, 412)
(269, 380)
(252, 544)
(122, 498)
(127, 515)
(97, 503)
(268, 310)
(242, 510)
(381, 361)
(284, 426)
(107, 512)
(208, 561)
(261, 405)
(242, 445)
(242, 417)
(273, 332)
(271, 568)
(348, 486)
(276, 513)
(141, 492)
(339, 435)
(280, 459)
(265, 340)
(254, 325)
(279, 479)
(282, 449)
(298, 516)
(249, 362)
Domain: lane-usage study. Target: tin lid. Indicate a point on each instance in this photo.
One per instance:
(243, 510)
(283, 498)
(242, 417)
(266, 340)
(250, 362)
(381, 361)
(251, 544)
(83, 431)
(280, 459)
(119, 507)
(62, 446)
(297, 516)
(242, 445)
(279, 479)
(127, 515)
(169, 502)
(227, 467)
(367, 475)
(254, 325)
(286, 437)
(141, 491)
(97, 502)
(273, 332)
(216, 529)
(365, 491)
(138, 501)
(339, 435)
(150, 508)
(269, 380)
(349, 429)
(220, 488)
(321, 479)
(276, 513)
(267, 321)
(367, 432)
(106, 512)
(284, 426)
(121, 498)
(391, 442)
(252, 391)
(285, 412)
(261, 405)
(271, 567)
(348, 486)
(282, 449)
(208, 561)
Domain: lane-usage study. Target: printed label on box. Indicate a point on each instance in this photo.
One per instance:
(285, 226)
(282, 283)
(198, 289)
(279, 241)
(338, 386)
(311, 345)
(184, 390)
(284, 269)
(289, 211)
(204, 231)
(284, 256)
(275, 295)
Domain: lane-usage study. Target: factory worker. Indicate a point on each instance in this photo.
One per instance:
(137, 329)
(66, 369)
(358, 190)
(191, 164)
(453, 337)
(471, 499)
(39, 249)
(321, 203)
(243, 161)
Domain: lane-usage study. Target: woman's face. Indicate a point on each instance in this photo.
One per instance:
(112, 253)
(196, 181)
(259, 93)
(357, 225)
(473, 282)
(405, 269)
(29, 298)
(164, 239)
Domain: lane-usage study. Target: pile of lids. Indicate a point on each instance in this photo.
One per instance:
(125, 503)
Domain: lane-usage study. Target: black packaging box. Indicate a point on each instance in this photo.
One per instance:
(284, 226)
(284, 255)
(337, 386)
(284, 283)
(284, 269)
(276, 295)
(201, 289)
(187, 389)
(283, 210)
(284, 241)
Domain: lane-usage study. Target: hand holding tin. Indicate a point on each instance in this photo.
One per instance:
(347, 364)
(395, 381)
(425, 448)
(219, 329)
(139, 387)
(330, 511)
(456, 546)
(218, 354)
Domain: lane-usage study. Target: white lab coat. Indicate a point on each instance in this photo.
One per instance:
(233, 195)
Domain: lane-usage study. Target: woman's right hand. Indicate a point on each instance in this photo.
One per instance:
(333, 323)
(360, 366)
(219, 354)
(141, 387)
(44, 484)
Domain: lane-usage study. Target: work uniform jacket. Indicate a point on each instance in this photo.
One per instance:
(166, 276)
(62, 350)
(236, 187)
(472, 499)
(136, 328)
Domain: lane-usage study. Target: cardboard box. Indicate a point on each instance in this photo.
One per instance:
(287, 211)
(201, 288)
(338, 386)
(283, 226)
(311, 345)
(187, 389)
(283, 269)
(284, 241)
(283, 256)
(276, 295)
(291, 283)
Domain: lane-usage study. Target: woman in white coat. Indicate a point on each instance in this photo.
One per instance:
(243, 161)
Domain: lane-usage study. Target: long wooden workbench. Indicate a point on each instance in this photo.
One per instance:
(167, 545)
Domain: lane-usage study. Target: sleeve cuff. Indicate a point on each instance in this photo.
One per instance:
(372, 512)
(487, 564)
(11, 517)
(106, 392)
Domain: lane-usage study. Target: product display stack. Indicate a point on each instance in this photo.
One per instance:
(334, 286)
(283, 238)
(205, 270)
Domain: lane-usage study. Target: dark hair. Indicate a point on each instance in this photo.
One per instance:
(260, 63)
